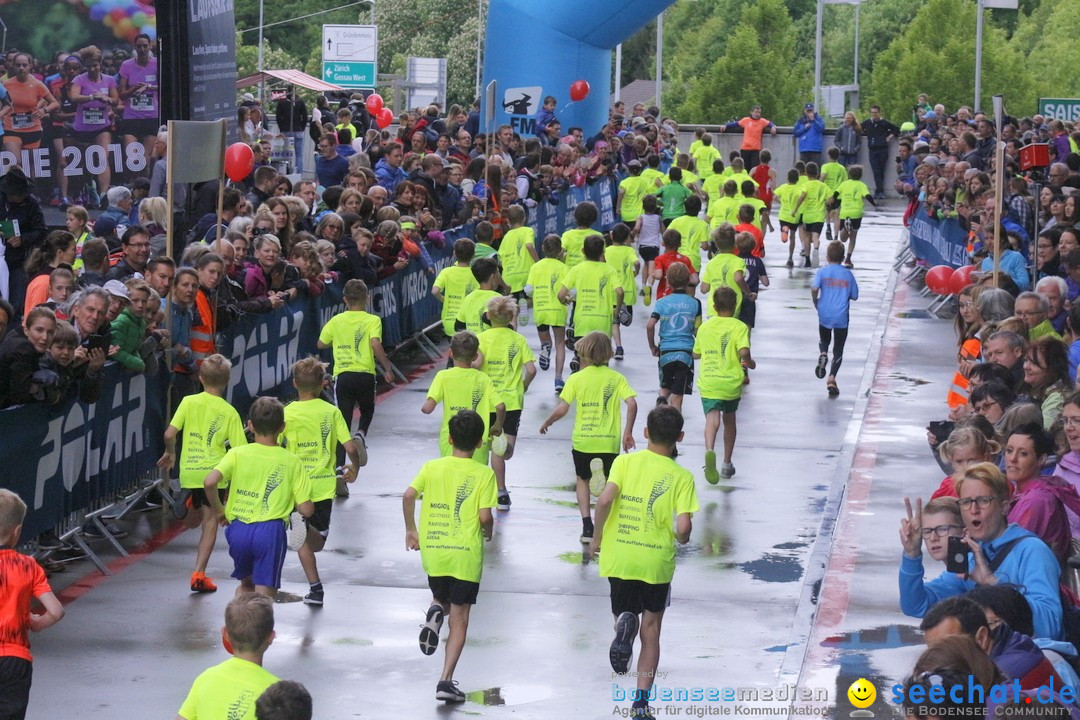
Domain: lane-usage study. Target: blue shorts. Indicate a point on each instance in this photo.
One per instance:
(258, 551)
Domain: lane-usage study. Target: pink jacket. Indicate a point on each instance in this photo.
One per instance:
(1040, 508)
(1068, 469)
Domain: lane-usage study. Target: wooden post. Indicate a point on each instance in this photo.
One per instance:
(999, 180)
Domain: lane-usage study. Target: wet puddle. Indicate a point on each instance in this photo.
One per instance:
(899, 385)
(773, 568)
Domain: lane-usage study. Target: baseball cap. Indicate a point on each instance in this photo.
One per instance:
(117, 289)
(809, 106)
(633, 163)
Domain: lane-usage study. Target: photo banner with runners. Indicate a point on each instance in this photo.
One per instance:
(80, 100)
(938, 242)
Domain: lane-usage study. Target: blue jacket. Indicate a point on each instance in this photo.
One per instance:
(1030, 564)
(389, 177)
(1012, 263)
(810, 134)
(543, 117)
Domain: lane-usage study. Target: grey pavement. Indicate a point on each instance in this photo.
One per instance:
(745, 592)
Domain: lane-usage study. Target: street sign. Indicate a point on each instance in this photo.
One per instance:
(1064, 109)
(350, 54)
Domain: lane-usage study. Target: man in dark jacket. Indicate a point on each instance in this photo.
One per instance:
(878, 132)
(17, 204)
(292, 119)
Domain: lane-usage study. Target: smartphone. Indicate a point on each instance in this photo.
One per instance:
(957, 559)
(941, 429)
(898, 159)
(96, 342)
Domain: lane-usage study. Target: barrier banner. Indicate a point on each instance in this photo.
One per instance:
(938, 242)
(547, 219)
(63, 458)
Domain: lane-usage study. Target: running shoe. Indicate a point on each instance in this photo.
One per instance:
(586, 531)
(828, 231)
(727, 470)
(202, 584)
(711, 475)
(642, 712)
(503, 502)
(626, 315)
(361, 447)
(429, 631)
(598, 480)
(559, 385)
(523, 312)
(296, 532)
(619, 353)
(182, 505)
(807, 263)
(314, 597)
(545, 356)
(575, 365)
(790, 263)
(822, 361)
(622, 647)
(447, 690)
(648, 295)
(847, 263)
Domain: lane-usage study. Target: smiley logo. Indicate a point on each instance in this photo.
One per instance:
(861, 693)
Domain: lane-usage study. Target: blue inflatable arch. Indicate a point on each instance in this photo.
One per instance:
(535, 48)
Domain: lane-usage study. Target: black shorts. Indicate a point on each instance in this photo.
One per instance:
(635, 596)
(814, 227)
(139, 128)
(519, 295)
(582, 460)
(511, 422)
(648, 254)
(789, 226)
(28, 138)
(88, 137)
(320, 519)
(448, 589)
(199, 498)
(855, 223)
(748, 312)
(15, 676)
(677, 376)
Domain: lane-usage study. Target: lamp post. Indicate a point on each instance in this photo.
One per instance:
(817, 45)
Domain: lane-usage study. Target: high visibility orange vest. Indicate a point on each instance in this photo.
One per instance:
(960, 388)
(203, 335)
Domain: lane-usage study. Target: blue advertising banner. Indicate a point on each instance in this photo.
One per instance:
(548, 219)
(939, 242)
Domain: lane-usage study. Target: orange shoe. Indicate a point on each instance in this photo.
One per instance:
(202, 584)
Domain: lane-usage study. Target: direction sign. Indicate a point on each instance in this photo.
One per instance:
(1065, 109)
(350, 74)
(350, 43)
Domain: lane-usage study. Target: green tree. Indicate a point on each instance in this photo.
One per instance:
(762, 40)
(878, 22)
(936, 54)
(1048, 55)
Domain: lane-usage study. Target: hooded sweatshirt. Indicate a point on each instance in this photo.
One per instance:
(1040, 508)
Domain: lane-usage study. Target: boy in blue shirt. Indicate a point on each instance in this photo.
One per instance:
(678, 314)
(833, 289)
(545, 114)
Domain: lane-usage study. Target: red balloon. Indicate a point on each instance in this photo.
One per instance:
(384, 118)
(961, 278)
(374, 103)
(937, 279)
(579, 89)
(239, 159)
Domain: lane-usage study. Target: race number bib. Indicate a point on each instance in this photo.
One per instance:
(94, 116)
(22, 121)
(143, 102)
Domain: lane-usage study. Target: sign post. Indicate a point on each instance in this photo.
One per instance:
(350, 54)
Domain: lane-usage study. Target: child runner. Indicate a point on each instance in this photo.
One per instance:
(624, 259)
(472, 313)
(693, 230)
(760, 216)
(485, 236)
(788, 195)
(646, 506)
(746, 224)
(313, 431)
(726, 269)
(210, 426)
(597, 390)
(723, 345)
(671, 256)
(765, 177)
(545, 278)
(455, 520)
(833, 289)
(647, 231)
(506, 354)
(678, 315)
(267, 482)
(725, 208)
(21, 580)
(356, 338)
(573, 240)
(851, 194)
(811, 205)
(518, 253)
(454, 282)
(463, 387)
(230, 689)
(756, 275)
(833, 174)
(632, 189)
(672, 197)
(713, 184)
(596, 292)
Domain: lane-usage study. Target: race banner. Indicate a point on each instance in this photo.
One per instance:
(939, 242)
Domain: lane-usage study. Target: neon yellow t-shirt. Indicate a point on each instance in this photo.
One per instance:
(720, 373)
(832, 174)
(472, 309)
(713, 186)
(689, 178)
(506, 352)
(350, 334)
(455, 282)
(693, 146)
(205, 422)
(515, 256)
(454, 491)
(228, 689)
(720, 272)
(704, 157)
(546, 278)
(599, 392)
(634, 189)
(573, 243)
(622, 259)
(852, 195)
(313, 431)
(458, 389)
(594, 304)
(787, 194)
(266, 483)
(639, 535)
(740, 178)
(813, 206)
(654, 178)
(723, 210)
(694, 232)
